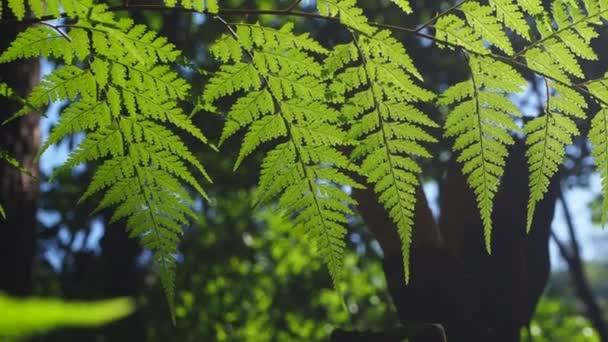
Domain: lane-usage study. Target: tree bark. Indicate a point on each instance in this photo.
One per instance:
(19, 193)
(454, 282)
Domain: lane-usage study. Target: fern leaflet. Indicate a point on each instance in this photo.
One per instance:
(404, 5)
(547, 137)
(479, 122)
(41, 8)
(284, 98)
(511, 16)
(382, 117)
(349, 14)
(483, 21)
(598, 135)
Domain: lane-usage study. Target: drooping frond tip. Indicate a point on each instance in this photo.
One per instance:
(283, 96)
(126, 98)
(381, 114)
(598, 136)
(480, 121)
(547, 137)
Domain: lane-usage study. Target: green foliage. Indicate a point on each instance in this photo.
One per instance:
(264, 283)
(350, 15)
(565, 38)
(119, 81)
(125, 96)
(557, 320)
(23, 317)
(284, 97)
(479, 122)
(381, 116)
(43, 8)
(598, 135)
(547, 137)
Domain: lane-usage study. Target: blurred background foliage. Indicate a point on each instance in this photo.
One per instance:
(244, 274)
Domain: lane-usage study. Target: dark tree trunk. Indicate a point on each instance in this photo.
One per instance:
(454, 282)
(18, 192)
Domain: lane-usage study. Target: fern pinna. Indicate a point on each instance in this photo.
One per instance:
(480, 121)
(375, 76)
(123, 93)
(282, 97)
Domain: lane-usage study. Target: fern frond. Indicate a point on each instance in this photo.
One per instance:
(511, 15)
(41, 8)
(7, 92)
(533, 7)
(45, 42)
(122, 95)
(598, 136)
(547, 137)
(482, 20)
(453, 30)
(65, 83)
(349, 14)
(479, 122)
(565, 39)
(284, 99)
(389, 139)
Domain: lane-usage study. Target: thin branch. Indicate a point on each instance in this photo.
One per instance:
(439, 15)
(292, 6)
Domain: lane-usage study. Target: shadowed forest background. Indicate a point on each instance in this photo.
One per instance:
(243, 274)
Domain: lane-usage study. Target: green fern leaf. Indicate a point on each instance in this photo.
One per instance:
(453, 30)
(479, 122)
(547, 137)
(66, 83)
(404, 5)
(42, 8)
(598, 136)
(511, 16)
(122, 95)
(566, 39)
(46, 42)
(349, 14)
(284, 98)
(533, 7)
(390, 140)
(483, 21)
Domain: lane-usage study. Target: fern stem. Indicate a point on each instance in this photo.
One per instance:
(405, 246)
(292, 6)
(533, 201)
(487, 231)
(298, 153)
(439, 15)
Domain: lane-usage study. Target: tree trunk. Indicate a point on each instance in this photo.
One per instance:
(18, 192)
(454, 282)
